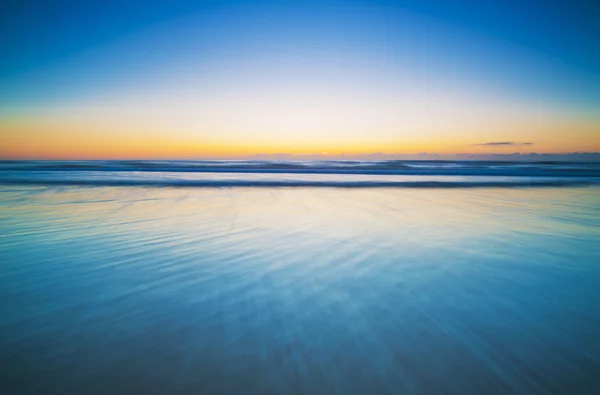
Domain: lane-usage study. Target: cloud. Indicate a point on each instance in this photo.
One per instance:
(505, 143)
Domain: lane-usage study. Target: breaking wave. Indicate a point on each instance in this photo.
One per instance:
(335, 174)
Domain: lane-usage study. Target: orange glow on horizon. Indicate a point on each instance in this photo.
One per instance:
(50, 138)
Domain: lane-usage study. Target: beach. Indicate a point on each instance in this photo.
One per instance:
(321, 197)
(221, 290)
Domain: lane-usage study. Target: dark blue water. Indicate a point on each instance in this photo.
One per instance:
(117, 290)
(349, 174)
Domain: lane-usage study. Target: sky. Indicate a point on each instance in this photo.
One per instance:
(231, 79)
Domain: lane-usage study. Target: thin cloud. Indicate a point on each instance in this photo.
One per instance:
(505, 143)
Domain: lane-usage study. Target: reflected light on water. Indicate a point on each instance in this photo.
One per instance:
(299, 290)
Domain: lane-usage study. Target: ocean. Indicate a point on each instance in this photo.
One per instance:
(279, 277)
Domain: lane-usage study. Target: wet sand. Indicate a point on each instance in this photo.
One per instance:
(299, 290)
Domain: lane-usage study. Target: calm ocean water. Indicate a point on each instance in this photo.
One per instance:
(424, 278)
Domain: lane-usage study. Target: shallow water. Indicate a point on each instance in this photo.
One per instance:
(114, 290)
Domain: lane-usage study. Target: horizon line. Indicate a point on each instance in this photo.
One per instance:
(564, 156)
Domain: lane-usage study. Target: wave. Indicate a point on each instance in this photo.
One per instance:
(295, 183)
(391, 167)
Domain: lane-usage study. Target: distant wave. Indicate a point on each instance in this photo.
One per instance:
(295, 183)
(392, 167)
(341, 174)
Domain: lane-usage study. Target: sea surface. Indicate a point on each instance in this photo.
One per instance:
(343, 277)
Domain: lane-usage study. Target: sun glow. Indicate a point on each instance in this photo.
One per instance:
(370, 80)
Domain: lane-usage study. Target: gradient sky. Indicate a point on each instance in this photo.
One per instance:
(219, 79)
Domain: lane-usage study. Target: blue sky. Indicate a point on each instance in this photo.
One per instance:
(301, 75)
